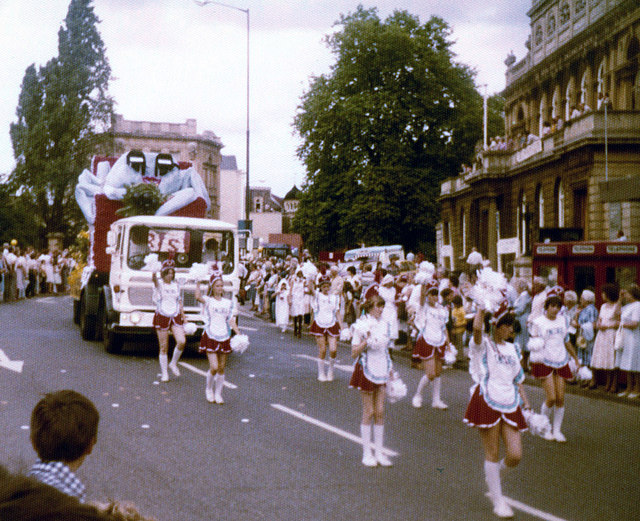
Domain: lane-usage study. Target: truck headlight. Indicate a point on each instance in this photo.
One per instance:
(136, 317)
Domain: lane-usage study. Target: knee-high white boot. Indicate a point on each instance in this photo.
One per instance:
(208, 390)
(436, 402)
(332, 362)
(378, 440)
(219, 386)
(321, 375)
(558, 416)
(367, 455)
(492, 476)
(417, 398)
(177, 353)
(163, 358)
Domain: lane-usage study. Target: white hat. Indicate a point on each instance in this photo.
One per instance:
(387, 279)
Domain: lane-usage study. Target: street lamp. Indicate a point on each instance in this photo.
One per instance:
(202, 3)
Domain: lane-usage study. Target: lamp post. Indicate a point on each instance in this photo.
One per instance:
(202, 3)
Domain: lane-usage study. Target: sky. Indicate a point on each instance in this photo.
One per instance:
(172, 60)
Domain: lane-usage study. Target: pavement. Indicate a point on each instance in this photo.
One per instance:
(571, 388)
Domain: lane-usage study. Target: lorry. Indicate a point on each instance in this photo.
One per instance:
(113, 301)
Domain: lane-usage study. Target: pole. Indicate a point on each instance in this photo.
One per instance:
(247, 204)
(485, 118)
(606, 142)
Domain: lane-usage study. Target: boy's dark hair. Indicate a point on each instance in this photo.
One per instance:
(64, 426)
(457, 301)
(446, 292)
(612, 291)
(352, 270)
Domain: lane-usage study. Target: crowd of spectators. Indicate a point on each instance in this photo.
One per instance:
(26, 272)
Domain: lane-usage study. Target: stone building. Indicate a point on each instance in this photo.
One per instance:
(232, 190)
(181, 140)
(569, 165)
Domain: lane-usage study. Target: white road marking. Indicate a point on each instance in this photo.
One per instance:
(204, 373)
(12, 365)
(533, 511)
(347, 368)
(248, 328)
(326, 426)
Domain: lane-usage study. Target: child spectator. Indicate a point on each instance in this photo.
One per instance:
(64, 429)
(458, 325)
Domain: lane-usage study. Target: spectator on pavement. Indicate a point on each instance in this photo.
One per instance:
(603, 357)
(387, 292)
(629, 358)
(586, 327)
(299, 302)
(64, 430)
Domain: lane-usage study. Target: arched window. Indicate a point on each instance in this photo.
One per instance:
(600, 86)
(569, 100)
(556, 104)
(583, 96)
(559, 204)
(542, 115)
(540, 206)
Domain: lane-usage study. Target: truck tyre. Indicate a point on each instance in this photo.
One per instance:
(112, 341)
(76, 312)
(87, 322)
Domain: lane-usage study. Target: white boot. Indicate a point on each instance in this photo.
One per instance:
(436, 402)
(367, 455)
(332, 361)
(417, 398)
(558, 416)
(164, 362)
(208, 390)
(378, 439)
(219, 386)
(321, 376)
(547, 411)
(492, 476)
(174, 361)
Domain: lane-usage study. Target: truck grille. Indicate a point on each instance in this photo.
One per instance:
(143, 297)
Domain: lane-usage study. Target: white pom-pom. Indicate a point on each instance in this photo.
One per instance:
(427, 267)
(535, 343)
(489, 290)
(199, 271)
(584, 374)
(396, 388)
(539, 424)
(239, 343)
(450, 354)
(190, 328)
(345, 334)
(151, 263)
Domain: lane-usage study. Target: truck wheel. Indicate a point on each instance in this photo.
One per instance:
(112, 342)
(76, 312)
(87, 322)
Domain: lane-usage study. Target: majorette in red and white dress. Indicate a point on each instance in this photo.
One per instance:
(217, 331)
(373, 366)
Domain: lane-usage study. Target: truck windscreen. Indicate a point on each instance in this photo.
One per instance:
(149, 246)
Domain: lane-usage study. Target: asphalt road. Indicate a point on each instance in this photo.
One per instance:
(285, 447)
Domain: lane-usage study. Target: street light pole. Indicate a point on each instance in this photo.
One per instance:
(247, 205)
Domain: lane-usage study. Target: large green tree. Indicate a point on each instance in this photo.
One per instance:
(63, 107)
(395, 116)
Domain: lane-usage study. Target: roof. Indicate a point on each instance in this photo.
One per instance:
(294, 193)
(228, 163)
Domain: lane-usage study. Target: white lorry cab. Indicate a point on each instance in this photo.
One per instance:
(118, 305)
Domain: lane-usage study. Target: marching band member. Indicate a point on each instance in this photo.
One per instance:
(326, 326)
(431, 322)
(169, 316)
(495, 405)
(550, 350)
(220, 318)
(370, 375)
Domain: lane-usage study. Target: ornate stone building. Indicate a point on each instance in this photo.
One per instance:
(570, 165)
(181, 140)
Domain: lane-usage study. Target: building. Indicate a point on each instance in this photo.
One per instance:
(232, 190)
(569, 165)
(181, 140)
(289, 208)
(266, 213)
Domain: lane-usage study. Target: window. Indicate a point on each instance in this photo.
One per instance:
(565, 13)
(539, 35)
(580, 7)
(583, 89)
(600, 87)
(257, 203)
(559, 193)
(540, 206)
(551, 25)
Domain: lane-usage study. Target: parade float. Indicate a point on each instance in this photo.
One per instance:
(141, 209)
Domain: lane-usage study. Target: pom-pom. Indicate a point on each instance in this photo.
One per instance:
(539, 424)
(199, 271)
(345, 334)
(190, 328)
(450, 354)
(396, 388)
(535, 343)
(584, 374)
(428, 268)
(490, 289)
(239, 343)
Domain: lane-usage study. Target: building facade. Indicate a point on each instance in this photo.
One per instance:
(181, 140)
(569, 165)
(232, 190)
(266, 213)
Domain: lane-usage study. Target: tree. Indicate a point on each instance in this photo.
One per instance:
(62, 108)
(395, 116)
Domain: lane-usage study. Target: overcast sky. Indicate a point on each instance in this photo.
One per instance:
(172, 60)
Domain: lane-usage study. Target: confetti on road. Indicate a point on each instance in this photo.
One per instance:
(105, 394)
(156, 383)
(115, 405)
(63, 370)
(145, 426)
(24, 427)
(252, 376)
(245, 420)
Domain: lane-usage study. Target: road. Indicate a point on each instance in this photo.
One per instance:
(285, 447)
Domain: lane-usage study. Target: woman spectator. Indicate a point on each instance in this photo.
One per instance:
(387, 292)
(521, 309)
(550, 358)
(495, 405)
(22, 274)
(603, 358)
(283, 294)
(629, 361)
(586, 327)
(370, 375)
(299, 305)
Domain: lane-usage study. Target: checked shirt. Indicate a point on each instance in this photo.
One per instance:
(58, 475)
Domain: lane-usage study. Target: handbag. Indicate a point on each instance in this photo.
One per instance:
(618, 343)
